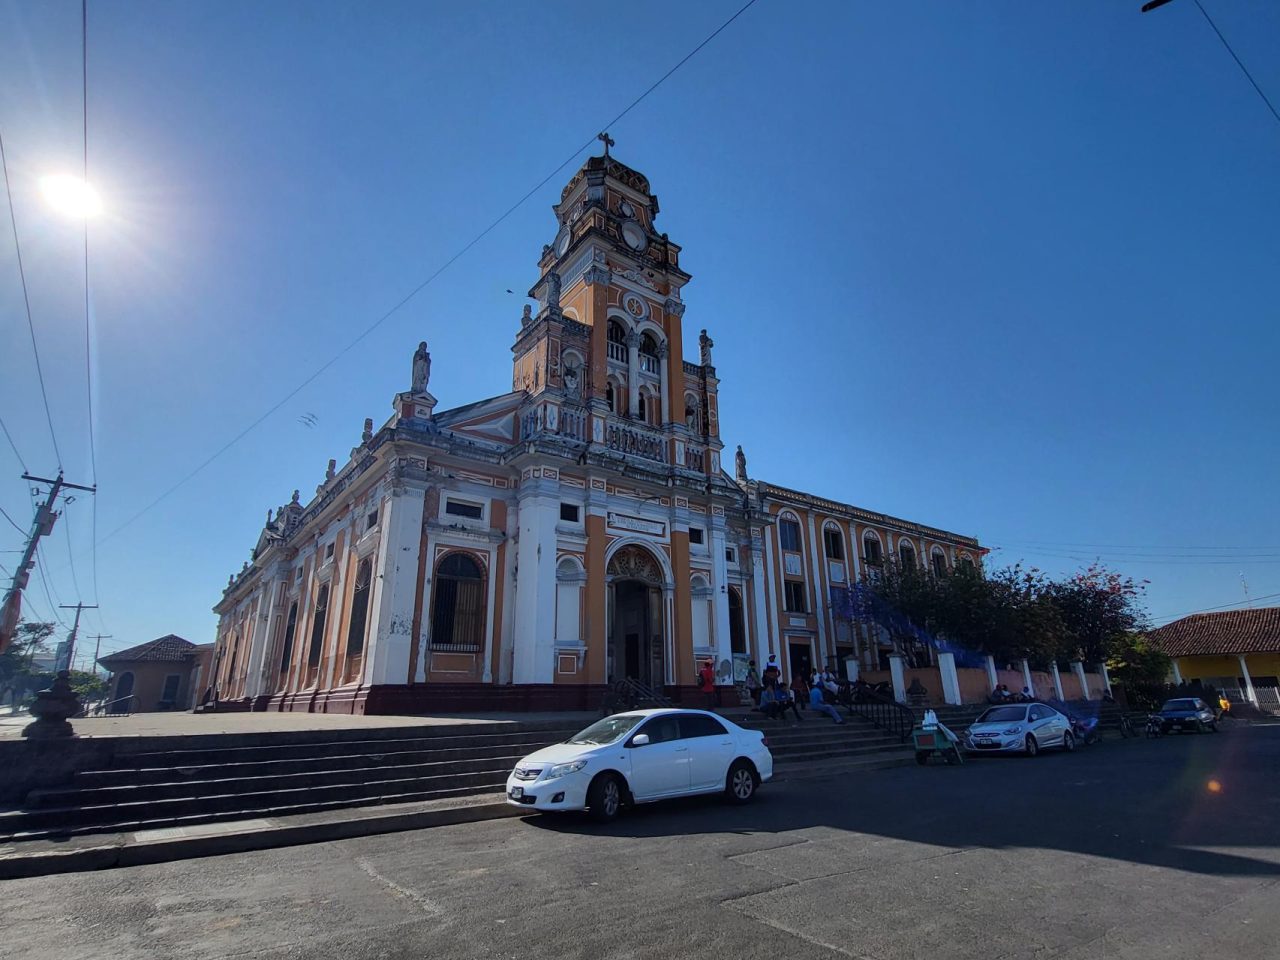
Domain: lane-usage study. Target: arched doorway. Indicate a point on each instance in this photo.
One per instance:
(737, 624)
(124, 688)
(636, 648)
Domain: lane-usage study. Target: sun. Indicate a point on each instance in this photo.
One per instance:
(71, 196)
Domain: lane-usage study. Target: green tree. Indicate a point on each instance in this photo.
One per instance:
(1133, 661)
(87, 686)
(1099, 607)
(16, 676)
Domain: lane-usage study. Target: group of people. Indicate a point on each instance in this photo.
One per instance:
(1002, 694)
(774, 698)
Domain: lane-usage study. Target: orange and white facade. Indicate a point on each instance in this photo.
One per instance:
(525, 550)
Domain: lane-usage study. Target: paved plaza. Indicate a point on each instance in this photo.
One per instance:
(1131, 849)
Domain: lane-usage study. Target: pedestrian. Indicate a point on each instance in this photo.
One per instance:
(752, 682)
(707, 682)
(771, 672)
(786, 700)
(800, 690)
(821, 706)
(769, 704)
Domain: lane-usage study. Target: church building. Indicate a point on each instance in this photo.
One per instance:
(526, 550)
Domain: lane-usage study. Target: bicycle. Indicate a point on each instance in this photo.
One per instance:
(1126, 727)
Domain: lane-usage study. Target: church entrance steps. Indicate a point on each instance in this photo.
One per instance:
(147, 785)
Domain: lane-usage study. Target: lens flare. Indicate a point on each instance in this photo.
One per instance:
(1214, 786)
(71, 196)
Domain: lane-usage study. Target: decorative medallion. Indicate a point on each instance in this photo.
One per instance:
(633, 563)
(635, 305)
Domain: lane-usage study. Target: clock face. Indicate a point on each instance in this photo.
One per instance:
(634, 235)
(562, 242)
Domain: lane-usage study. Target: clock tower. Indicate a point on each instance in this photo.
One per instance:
(606, 340)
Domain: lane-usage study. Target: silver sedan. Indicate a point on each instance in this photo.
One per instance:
(1024, 728)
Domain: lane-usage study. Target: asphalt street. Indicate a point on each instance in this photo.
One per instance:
(1129, 849)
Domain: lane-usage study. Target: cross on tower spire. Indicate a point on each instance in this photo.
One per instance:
(607, 140)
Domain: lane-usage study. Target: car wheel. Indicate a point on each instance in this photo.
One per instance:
(1031, 747)
(604, 798)
(740, 784)
(1068, 741)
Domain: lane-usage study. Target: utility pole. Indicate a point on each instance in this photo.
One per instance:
(97, 645)
(41, 526)
(65, 659)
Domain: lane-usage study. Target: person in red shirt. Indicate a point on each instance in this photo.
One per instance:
(707, 676)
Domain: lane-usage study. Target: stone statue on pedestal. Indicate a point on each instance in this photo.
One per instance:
(421, 369)
(705, 344)
(740, 465)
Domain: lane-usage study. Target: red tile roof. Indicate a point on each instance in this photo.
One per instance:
(166, 649)
(1232, 631)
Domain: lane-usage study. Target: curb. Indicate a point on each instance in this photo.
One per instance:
(124, 850)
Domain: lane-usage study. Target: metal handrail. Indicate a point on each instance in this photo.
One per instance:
(104, 706)
(629, 694)
(883, 712)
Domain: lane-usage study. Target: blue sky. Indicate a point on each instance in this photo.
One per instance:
(1009, 269)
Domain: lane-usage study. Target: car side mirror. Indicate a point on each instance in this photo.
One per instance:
(640, 740)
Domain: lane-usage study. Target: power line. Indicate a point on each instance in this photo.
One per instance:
(1135, 546)
(1178, 616)
(13, 523)
(8, 436)
(1239, 62)
(431, 278)
(26, 299)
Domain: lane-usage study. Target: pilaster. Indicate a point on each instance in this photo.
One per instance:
(536, 583)
(395, 588)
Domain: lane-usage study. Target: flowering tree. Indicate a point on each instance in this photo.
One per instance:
(1099, 607)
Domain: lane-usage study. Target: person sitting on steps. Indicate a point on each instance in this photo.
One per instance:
(816, 702)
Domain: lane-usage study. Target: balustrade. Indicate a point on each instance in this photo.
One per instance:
(617, 351)
(636, 441)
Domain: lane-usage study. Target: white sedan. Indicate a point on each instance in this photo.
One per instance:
(1024, 728)
(641, 756)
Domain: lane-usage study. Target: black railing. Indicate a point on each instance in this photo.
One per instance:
(882, 711)
(628, 694)
(119, 708)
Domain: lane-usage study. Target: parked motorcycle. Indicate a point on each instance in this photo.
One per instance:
(1085, 730)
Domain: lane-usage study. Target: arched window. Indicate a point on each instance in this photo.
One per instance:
(642, 407)
(938, 559)
(833, 542)
(649, 361)
(906, 555)
(317, 626)
(609, 397)
(457, 617)
(359, 609)
(617, 345)
(966, 563)
(789, 532)
(871, 551)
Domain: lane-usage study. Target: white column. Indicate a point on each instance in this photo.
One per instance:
(899, 680)
(257, 653)
(633, 372)
(536, 586)
(507, 572)
(993, 678)
(759, 611)
(1173, 668)
(1026, 677)
(1057, 680)
(852, 669)
(774, 641)
(1078, 667)
(664, 415)
(720, 608)
(821, 596)
(395, 584)
(950, 679)
(1106, 677)
(1248, 680)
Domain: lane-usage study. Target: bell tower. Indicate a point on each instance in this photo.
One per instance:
(608, 327)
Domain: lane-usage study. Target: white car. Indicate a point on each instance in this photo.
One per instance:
(1025, 728)
(641, 756)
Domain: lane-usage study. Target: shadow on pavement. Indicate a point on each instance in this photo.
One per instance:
(1162, 802)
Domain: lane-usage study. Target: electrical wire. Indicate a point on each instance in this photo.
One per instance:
(26, 300)
(427, 282)
(12, 522)
(1239, 62)
(8, 436)
(1225, 606)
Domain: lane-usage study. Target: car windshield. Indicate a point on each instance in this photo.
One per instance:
(607, 730)
(1179, 705)
(1003, 715)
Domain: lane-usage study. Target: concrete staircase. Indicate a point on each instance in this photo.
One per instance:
(236, 777)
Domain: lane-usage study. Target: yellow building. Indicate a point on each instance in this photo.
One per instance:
(525, 550)
(1235, 650)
